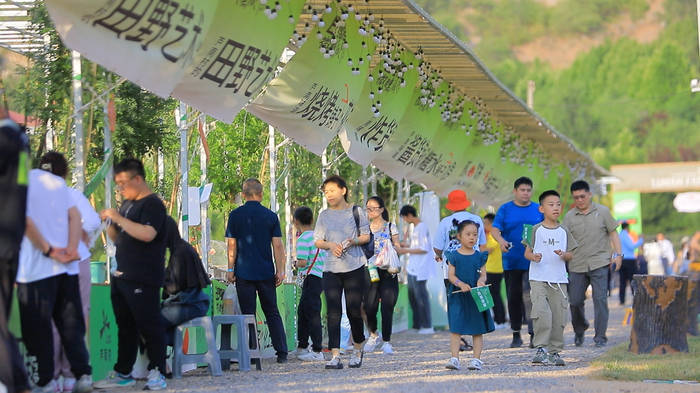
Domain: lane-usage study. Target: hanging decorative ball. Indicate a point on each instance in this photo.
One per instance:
(370, 78)
(263, 2)
(319, 35)
(350, 62)
(371, 95)
(344, 15)
(379, 104)
(278, 6)
(322, 49)
(314, 16)
(321, 23)
(379, 90)
(345, 45)
(291, 19)
(328, 9)
(331, 52)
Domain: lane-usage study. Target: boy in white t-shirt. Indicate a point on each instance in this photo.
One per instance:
(419, 269)
(549, 247)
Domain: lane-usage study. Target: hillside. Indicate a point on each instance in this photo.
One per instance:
(613, 75)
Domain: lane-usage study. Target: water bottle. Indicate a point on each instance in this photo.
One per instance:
(373, 273)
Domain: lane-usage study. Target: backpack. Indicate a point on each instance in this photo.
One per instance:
(367, 248)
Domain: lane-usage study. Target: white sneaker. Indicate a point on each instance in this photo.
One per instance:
(453, 364)
(299, 352)
(83, 385)
(50, 387)
(311, 356)
(156, 380)
(426, 331)
(68, 384)
(387, 349)
(334, 364)
(475, 364)
(371, 343)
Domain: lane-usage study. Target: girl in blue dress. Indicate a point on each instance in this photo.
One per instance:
(465, 270)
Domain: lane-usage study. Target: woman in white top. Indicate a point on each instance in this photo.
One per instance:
(387, 287)
(341, 231)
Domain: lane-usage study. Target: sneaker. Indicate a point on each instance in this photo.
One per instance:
(299, 352)
(311, 356)
(426, 331)
(540, 356)
(453, 364)
(68, 384)
(517, 341)
(51, 387)
(387, 349)
(600, 344)
(356, 361)
(555, 360)
(83, 385)
(334, 363)
(371, 344)
(475, 364)
(115, 380)
(282, 359)
(156, 381)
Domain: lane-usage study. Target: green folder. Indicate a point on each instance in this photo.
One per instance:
(482, 298)
(527, 234)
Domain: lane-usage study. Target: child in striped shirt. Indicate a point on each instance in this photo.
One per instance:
(309, 263)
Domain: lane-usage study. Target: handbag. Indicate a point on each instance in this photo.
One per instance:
(367, 248)
(388, 259)
(302, 276)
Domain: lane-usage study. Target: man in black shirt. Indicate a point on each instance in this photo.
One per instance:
(14, 149)
(139, 232)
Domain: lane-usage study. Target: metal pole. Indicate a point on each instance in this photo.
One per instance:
(273, 168)
(107, 148)
(288, 218)
(399, 195)
(324, 174)
(363, 183)
(79, 170)
(531, 93)
(374, 180)
(204, 207)
(49, 125)
(181, 114)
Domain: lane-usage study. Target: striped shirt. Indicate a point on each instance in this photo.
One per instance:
(307, 251)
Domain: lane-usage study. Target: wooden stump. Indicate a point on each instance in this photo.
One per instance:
(693, 302)
(660, 315)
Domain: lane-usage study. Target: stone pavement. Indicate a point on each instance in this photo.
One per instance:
(418, 365)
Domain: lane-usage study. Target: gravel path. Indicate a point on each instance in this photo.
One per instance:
(418, 366)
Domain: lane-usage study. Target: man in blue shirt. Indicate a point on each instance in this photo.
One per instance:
(629, 262)
(508, 232)
(250, 231)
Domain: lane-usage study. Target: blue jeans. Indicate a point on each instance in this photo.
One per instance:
(184, 306)
(267, 292)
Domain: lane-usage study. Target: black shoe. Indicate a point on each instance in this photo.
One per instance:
(517, 341)
(600, 344)
(282, 359)
(578, 340)
(465, 346)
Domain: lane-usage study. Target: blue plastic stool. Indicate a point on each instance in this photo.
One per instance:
(211, 357)
(246, 350)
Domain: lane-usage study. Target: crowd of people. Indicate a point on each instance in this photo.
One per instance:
(348, 253)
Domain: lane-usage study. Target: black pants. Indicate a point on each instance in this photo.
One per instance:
(309, 313)
(13, 376)
(386, 289)
(517, 283)
(353, 283)
(627, 270)
(419, 299)
(266, 290)
(499, 311)
(136, 309)
(54, 298)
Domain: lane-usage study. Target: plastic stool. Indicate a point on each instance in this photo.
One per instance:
(244, 353)
(211, 357)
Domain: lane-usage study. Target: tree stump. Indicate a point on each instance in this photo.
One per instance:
(660, 315)
(693, 302)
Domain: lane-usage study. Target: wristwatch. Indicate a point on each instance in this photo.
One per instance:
(615, 255)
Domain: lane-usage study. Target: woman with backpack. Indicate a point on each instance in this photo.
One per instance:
(342, 229)
(385, 285)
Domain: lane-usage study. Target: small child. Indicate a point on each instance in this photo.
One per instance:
(549, 248)
(466, 270)
(310, 262)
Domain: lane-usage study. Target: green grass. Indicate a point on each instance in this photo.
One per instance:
(620, 364)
